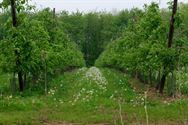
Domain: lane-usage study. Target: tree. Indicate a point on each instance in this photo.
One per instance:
(170, 41)
(35, 44)
(18, 63)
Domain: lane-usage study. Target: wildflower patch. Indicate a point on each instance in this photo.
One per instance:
(92, 84)
(94, 74)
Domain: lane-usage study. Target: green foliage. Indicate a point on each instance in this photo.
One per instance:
(29, 46)
(138, 44)
(65, 53)
(182, 81)
(142, 49)
(21, 5)
(39, 44)
(93, 31)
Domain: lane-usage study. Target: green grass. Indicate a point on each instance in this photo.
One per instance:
(75, 98)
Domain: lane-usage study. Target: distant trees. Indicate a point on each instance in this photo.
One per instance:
(93, 31)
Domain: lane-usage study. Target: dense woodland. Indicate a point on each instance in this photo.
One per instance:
(149, 45)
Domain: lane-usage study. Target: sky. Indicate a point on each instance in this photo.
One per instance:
(96, 5)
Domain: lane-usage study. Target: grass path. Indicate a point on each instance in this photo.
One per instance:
(91, 96)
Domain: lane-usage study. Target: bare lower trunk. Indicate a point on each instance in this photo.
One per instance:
(25, 80)
(150, 77)
(158, 80)
(162, 84)
(21, 82)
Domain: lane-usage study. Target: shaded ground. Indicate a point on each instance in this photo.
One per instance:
(152, 94)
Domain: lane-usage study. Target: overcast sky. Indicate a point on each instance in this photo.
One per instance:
(97, 5)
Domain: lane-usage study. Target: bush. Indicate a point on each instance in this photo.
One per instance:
(182, 82)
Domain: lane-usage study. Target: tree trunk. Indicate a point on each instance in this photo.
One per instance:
(172, 21)
(150, 76)
(25, 80)
(18, 63)
(20, 79)
(45, 77)
(13, 12)
(170, 40)
(158, 80)
(54, 12)
(162, 84)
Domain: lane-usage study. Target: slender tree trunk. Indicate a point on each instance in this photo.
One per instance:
(162, 81)
(53, 30)
(158, 80)
(45, 77)
(54, 12)
(150, 76)
(170, 40)
(25, 80)
(162, 84)
(171, 31)
(18, 63)
(20, 74)
(13, 12)
(21, 83)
